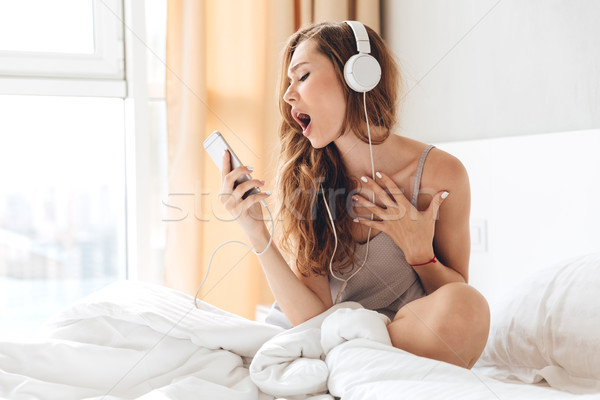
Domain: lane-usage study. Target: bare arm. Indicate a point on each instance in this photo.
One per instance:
(300, 298)
(452, 241)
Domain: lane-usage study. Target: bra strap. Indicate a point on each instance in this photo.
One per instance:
(417, 186)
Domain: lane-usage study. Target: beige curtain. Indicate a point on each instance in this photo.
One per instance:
(366, 11)
(223, 63)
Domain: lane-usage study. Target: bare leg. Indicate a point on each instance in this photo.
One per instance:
(451, 325)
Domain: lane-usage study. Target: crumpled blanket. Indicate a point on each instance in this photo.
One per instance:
(139, 340)
(135, 340)
(293, 362)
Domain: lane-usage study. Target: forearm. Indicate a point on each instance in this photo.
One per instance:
(296, 300)
(435, 275)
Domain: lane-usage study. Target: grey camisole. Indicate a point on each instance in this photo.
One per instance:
(386, 282)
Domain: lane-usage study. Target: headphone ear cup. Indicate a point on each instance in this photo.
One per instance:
(362, 72)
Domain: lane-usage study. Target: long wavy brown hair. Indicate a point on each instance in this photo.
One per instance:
(304, 172)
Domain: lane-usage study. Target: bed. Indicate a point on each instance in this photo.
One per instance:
(135, 340)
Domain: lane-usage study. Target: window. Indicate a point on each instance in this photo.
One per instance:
(62, 204)
(77, 44)
(68, 161)
(58, 26)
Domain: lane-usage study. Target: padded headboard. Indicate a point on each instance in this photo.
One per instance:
(535, 202)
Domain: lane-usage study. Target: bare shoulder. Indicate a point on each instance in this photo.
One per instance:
(443, 171)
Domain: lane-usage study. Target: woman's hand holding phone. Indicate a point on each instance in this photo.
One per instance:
(248, 211)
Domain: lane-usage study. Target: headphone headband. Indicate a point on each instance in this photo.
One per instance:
(363, 45)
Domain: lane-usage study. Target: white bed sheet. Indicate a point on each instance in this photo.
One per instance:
(135, 340)
(365, 370)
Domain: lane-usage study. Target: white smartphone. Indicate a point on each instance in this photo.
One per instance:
(216, 145)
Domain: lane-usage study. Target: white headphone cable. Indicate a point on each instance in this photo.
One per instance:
(345, 281)
(264, 203)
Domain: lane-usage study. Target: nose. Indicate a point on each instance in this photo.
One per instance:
(290, 95)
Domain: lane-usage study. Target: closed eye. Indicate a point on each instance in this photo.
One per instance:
(303, 78)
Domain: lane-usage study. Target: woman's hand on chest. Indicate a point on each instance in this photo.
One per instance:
(412, 230)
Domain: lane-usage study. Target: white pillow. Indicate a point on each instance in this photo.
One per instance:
(549, 328)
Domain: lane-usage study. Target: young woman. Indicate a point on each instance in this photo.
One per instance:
(401, 241)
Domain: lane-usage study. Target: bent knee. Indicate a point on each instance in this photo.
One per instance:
(463, 322)
(464, 301)
(451, 324)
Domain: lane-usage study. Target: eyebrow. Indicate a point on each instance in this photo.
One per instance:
(296, 66)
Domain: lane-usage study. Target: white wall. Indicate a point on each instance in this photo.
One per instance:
(537, 197)
(487, 80)
(488, 68)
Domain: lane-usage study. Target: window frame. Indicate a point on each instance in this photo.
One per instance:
(138, 145)
(131, 84)
(99, 74)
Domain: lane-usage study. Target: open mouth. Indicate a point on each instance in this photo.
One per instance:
(302, 119)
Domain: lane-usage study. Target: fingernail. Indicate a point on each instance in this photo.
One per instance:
(378, 175)
(250, 168)
(355, 220)
(354, 198)
(445, 194)
(364, 179)
(268, 193)
(262, 182)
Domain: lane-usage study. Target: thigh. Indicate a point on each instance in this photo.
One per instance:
(450, 324)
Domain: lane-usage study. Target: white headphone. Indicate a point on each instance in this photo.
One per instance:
(362, 71)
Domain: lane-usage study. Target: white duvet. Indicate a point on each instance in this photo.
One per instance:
(139, 341)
